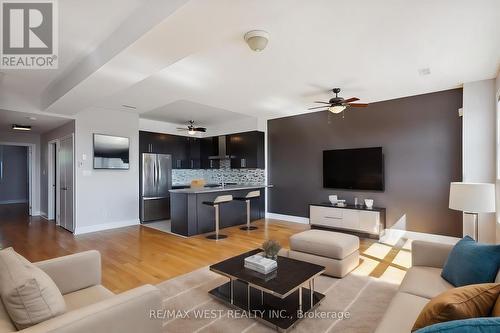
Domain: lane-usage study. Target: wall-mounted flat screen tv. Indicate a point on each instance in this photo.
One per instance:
(354, 169)
(111, 152)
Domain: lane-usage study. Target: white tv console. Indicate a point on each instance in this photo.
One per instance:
(358, 219)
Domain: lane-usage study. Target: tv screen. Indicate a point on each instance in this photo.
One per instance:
(354, 169)
(111, 152)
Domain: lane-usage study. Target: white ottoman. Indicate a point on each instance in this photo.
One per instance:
(338, 252)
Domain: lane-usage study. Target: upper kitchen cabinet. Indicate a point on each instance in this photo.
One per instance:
(194, 158)
(209, 147)
(247, 150)
(157, 143)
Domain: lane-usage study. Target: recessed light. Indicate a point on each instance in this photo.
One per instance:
(21, 127)
(31, 118)
(424, 71)
(129, 106)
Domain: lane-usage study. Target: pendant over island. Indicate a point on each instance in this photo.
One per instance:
(190, 217)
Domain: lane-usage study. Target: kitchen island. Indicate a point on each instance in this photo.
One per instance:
(189, 216)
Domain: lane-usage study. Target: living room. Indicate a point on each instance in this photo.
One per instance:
(233, 166)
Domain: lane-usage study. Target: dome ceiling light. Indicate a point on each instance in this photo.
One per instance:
(257, 39)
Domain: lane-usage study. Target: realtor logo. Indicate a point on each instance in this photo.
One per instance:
(29, 34)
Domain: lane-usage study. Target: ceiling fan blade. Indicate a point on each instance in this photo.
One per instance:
(321, 102)
(200, 129)
(182, 129)
(349, 100)
(318, 107)
(358, 105)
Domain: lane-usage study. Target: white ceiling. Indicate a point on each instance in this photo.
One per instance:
(181, 112)
(196, 55)
(43, 123)
(83, 25)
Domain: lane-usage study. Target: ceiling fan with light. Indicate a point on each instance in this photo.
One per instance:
(191, 129)
(338, 104)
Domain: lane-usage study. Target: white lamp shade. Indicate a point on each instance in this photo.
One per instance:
(472, 197)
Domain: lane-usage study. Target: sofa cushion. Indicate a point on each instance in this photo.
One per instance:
(6, 325)
(328, 244)
(470, 262)
(474, 325)
(87, 296)
(28, 293)
(459, 303)
(401, 313)
(424, 282)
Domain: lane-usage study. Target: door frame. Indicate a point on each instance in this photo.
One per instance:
(52, 191)
(31, 171)
(58, 185)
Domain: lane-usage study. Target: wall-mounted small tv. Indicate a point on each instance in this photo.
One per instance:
(354, 169)
(111, 152)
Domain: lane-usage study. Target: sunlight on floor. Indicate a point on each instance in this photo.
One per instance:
(378, 250)
(393, 275)
(407, 245)
(366, 267)
(403, 258)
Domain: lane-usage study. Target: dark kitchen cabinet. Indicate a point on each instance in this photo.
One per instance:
(180, 152)
(209, 147)
(150, 142)
(194, 161)
(247, 150)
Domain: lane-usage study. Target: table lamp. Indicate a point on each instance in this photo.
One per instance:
(472, 199)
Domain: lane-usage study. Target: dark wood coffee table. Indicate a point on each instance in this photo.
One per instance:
(278, 298)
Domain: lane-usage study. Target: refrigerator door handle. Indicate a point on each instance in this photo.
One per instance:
(155, 171)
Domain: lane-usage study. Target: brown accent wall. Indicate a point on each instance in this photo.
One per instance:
(422, 141)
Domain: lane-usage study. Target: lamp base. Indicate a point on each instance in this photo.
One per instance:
(476, 225)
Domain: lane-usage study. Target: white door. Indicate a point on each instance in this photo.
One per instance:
(66, 184)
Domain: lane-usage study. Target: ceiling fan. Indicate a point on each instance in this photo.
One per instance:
(338, 104)
(191, 129)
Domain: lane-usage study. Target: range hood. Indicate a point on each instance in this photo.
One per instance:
(223, 153)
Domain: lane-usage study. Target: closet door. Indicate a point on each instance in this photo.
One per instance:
(66, 181)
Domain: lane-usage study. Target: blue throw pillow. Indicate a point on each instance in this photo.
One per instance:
(474, 325)
(470, 262)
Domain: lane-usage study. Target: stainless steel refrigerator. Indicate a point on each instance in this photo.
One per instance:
(156, 181)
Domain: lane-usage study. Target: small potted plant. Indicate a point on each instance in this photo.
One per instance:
(271, 249)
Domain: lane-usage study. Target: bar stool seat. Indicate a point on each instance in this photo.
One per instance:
(247, 198)
(221, 199)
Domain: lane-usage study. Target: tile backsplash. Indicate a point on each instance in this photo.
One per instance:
(239, 176)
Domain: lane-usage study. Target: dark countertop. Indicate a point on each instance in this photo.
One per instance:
(218, 189)
(350, 206)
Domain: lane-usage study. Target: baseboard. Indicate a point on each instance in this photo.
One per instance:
(289, 218)
(8, 202)
(36, 213)
(393, 235)
(105, 226)
(44, 215)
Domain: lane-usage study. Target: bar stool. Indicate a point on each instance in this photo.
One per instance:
(218, 201)
(247, 198)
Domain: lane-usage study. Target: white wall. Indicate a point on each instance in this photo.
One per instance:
(105, 198)
(161, 127)
(34, 139)
(244, 125)
(479, 146)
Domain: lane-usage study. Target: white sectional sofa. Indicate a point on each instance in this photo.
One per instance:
(90, 307)
(422, 282)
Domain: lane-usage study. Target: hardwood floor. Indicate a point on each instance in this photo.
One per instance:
(136, 255)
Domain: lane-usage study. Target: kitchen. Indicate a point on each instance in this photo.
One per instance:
(179, 173)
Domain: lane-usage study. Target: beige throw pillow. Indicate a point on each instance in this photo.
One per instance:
(28, 294)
